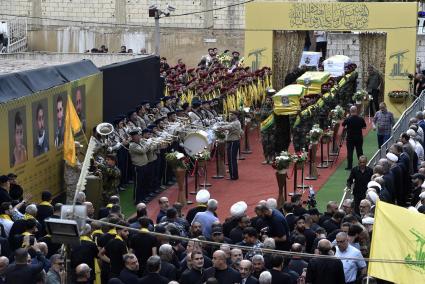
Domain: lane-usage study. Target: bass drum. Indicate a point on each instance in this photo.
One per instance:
(196, 142)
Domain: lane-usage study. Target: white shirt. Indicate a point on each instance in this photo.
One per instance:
(351, 266)
(419, 151)
(420, 133)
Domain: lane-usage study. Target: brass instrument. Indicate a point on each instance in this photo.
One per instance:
(104, 129)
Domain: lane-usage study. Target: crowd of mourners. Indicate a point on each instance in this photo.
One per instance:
(175, 248)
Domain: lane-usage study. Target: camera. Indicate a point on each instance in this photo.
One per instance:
(311, 202)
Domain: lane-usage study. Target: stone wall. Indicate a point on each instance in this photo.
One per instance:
(14, 62)
(348, 45)
(80, 25)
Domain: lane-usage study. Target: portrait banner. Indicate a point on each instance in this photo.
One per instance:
(34, 132)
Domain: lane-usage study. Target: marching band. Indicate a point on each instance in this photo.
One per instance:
(141, 139)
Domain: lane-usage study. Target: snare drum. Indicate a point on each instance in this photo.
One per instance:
(196, 142)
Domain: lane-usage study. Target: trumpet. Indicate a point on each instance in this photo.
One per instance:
(158, 142)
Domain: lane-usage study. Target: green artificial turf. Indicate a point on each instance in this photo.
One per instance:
(126, 200)
(333, 189)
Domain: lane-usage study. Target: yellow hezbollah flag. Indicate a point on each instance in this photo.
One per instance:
(72, 125)
(398, 234)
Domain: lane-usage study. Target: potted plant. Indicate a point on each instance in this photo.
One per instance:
(219, 135)
(315, 133)
(398, 96)
(282, 162)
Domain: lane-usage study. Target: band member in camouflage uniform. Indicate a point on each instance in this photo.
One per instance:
(110, 177)
(267, 135)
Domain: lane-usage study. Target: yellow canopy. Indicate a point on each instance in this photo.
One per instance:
(287, 100)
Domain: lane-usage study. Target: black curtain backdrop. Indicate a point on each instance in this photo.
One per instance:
(127, 84)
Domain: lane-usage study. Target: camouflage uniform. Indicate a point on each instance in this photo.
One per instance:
(110, 181)
(267, 136)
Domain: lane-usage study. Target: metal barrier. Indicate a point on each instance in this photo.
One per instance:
(401, 126)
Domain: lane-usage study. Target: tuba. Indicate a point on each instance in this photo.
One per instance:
(104, 129)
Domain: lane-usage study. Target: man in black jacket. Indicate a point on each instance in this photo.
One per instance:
(4, 189)
(168, 270)
(21, 272)
(194, 274)
(359, 176)
(329, 271)
(221, 271)
(129, 273)
(354, 124)
(277, 275)
(153, 266)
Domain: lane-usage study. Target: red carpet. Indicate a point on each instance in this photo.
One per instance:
(256, 181)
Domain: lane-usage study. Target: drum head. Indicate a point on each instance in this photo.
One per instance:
(195, 142)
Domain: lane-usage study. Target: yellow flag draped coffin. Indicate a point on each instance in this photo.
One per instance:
(287, 100)
(313, 80)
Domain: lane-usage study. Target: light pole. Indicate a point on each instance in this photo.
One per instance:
(156, 13)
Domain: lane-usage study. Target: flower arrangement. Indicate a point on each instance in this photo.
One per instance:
(315, 134)
(398, 94)
(282, 161)
(300, 157)
(177, 160)
(204, 155)
(361, 95)
(334, 123)
(219, 135)
(337, 113)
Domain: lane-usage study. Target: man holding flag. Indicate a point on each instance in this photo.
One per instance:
(72, 165)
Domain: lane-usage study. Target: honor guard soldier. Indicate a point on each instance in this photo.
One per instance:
(233, 136)
(195, 115)
(140, 117)
(151, 155)
(167, 105)
(138, 150)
